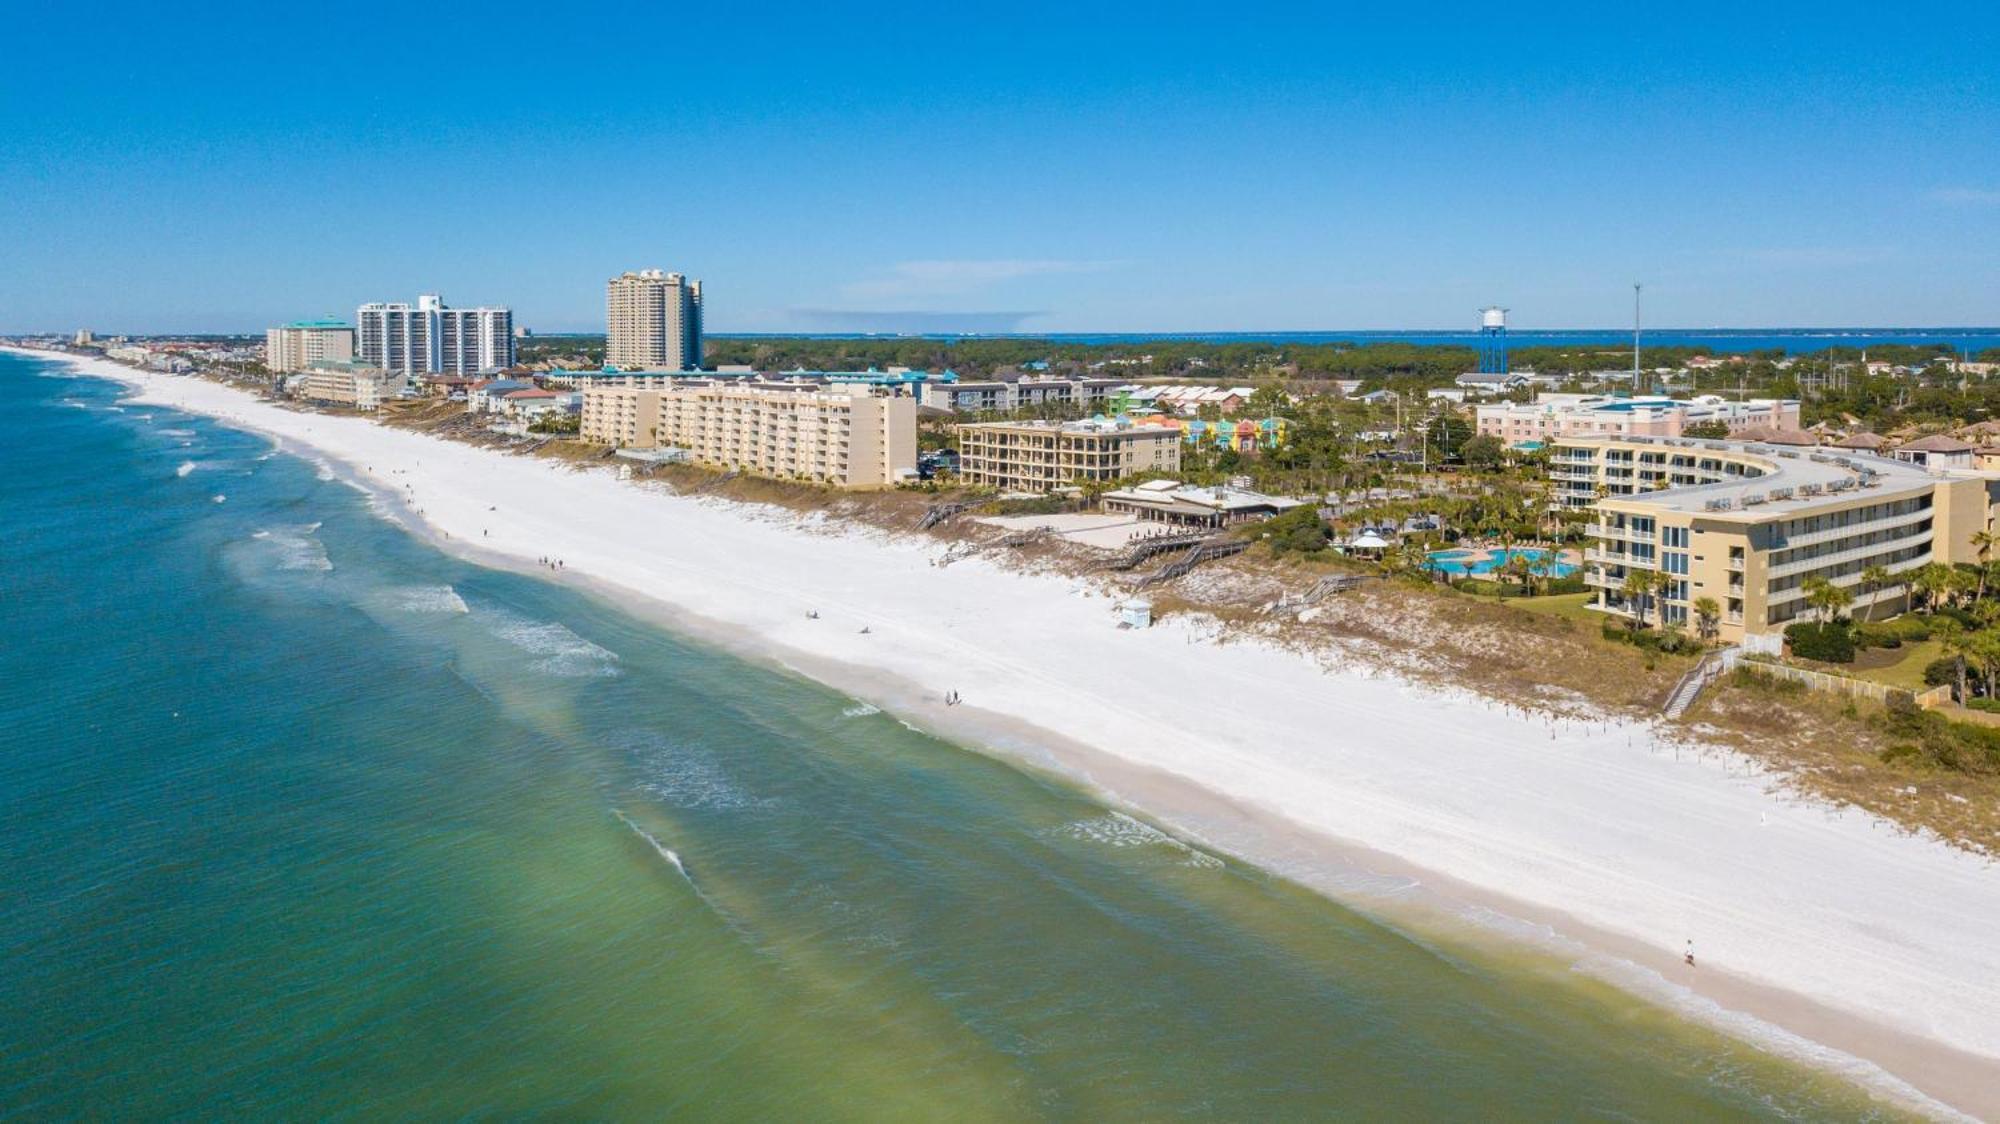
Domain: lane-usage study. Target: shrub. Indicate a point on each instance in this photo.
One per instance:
(1990, 706)
(1570, 584)
(1911, 627)
(1827, 642)
(1299, 529)
(1931, 738)
(1939, 672)
(1957, 614)
(1669, 642)
(1877, 636)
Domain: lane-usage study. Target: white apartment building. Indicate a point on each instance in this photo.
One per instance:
(652, 320)
(1551, 417)
(301, 343)
(847, 436)
(431, 337)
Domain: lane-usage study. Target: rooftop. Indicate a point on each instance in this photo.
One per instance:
(1793, 479)
(323, 322)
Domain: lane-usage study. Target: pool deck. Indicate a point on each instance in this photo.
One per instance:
(1465, 558)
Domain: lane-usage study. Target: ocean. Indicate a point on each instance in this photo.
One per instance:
(305, 818)
(1795, 341)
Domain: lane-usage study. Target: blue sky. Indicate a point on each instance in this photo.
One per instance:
(1028, 167)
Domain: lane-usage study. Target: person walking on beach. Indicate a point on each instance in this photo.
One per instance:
(1689, 955)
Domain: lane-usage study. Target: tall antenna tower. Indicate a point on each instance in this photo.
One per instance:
(1635, 337)
(1493, 340)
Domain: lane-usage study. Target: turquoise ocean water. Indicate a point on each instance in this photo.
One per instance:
(306, 819)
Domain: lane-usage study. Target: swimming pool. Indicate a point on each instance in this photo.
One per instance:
(1471, 562)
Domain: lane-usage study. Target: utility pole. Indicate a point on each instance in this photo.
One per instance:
(1635, 337)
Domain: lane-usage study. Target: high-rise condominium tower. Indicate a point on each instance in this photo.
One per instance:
(652, 319)
(430, 338)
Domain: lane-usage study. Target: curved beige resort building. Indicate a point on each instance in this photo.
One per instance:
(1750, 524)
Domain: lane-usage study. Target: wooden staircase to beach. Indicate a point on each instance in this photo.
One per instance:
(1697, 680)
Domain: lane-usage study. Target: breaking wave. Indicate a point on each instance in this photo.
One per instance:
(431, 599)
(861, 710)
(185, 468)
(564, 653)
(685, 776)
(1116, 829)
(297, 548)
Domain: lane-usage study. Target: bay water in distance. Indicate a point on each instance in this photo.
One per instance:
(304, 818)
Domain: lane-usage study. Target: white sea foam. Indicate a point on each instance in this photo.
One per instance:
(324, 471)
(220, 498)
(176, 433)
(431, 599)
(564, 653)
(1116, 829)
(296, 548)
(668, 853)
(185, 468)
(861, 710)
(685, 775)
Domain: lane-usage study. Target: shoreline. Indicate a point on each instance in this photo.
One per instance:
(1582, 835)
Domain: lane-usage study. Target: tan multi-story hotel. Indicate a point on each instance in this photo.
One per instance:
(847, 436)
(652, 320)
(1043, 456)
(345, 383)
(301, 343)
(1750, 525)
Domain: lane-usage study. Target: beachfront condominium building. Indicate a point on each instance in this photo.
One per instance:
(1040, 456)
(847, 436)
(335, 382)
(1551, 417)
(433, 338)
(301, 343)
(652, 320)
(1751, 525)
(1007, 395)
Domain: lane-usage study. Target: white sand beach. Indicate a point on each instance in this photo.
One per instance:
(1605, 842)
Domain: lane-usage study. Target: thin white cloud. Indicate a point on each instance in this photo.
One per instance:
(1967, 196)
(953, 277)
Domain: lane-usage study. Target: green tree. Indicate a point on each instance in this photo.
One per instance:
(1707, 618)
(1982, 544)
(1638, 590)
(1484, 452)
(1874, 579)
(1958, 644)
(1933, 580)
(1826, 598)
(1711, 430)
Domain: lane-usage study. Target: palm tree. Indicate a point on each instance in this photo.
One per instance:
(1958, 642)
(1932, 580)
(1985, 647)
(1707, 618)
(1826, 598)
(1638, 588)
(1982, 545)
(1873, 579)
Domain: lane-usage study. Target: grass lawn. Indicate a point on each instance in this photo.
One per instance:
(1898, 667)
(1569, 605)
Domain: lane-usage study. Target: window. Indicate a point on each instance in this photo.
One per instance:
(1673, 563)
(1674, 537)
